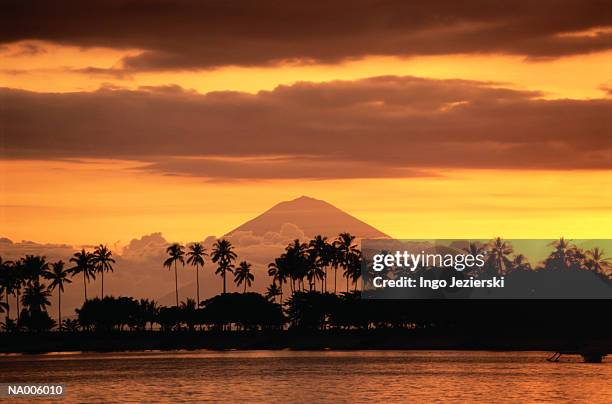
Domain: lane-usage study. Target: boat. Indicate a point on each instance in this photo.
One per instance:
(588, 356)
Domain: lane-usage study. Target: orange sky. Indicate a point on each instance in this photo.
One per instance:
(54, 71)
(106, 200)
(89, 203)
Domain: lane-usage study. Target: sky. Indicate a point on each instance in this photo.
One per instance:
(120, 119)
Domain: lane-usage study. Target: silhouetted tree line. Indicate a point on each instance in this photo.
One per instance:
(302, 267)
(31, 280)
(249, 311)
(502, 259)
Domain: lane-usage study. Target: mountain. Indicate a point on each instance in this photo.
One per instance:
(312, 216)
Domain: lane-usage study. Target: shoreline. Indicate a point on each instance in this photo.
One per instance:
(292, 340)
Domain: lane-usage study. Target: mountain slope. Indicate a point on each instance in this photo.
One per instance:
(312, 216)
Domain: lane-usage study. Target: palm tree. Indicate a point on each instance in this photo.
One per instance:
(7, 283)
(596, 261)
(224, 255)
(71, 325)
(346, 249)
(353, 272)
(176, 254)
(150, 310)
(189, 304)
(335, 261)
(561, 245)
(18, 278)
(33, 268)
(102, 260)
(4, 306)
(5, 287)
(272, 292)
(35, 297)
(520, 263)
(279, 272)
(196, 255)
(474, 249)
(83, 264)
(297, 263)
(560, 258)
(189, 312)
(320, 251)
(499, 251)
(314, 272)
(243, 274)
(58, 276)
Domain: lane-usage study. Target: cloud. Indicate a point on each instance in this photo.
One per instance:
(113, 73)
(26, 49)
(10, 250)
(194, 35)
(277, 167)
(138, 271)
(378, 127)
(148, 246)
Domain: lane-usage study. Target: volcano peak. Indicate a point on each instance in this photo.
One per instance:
(313, 216)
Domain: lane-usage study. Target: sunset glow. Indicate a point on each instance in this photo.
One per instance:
(93, 181)
(319, 201)
(57, 68)
(120, 202)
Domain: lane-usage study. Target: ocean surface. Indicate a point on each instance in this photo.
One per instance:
(314, 376)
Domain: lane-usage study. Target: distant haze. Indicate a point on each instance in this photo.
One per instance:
(139, 272)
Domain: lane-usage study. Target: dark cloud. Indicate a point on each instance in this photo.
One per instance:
(26, 49)
(278, 167)
(203, 34)
(98, 71)
(377, 127)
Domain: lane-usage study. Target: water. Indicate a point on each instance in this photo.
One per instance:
(321, 376)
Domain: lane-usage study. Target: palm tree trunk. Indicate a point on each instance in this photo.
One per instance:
(176, 284)
(224, 282)
(281, 293)
(17, 298)
(8, 309)
(84, 286)
(335, 279)
(102, 272)
(326, 279)
(244, 288)
(347, 285)
(59, 308)
(198, 286)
